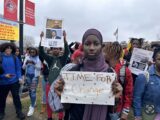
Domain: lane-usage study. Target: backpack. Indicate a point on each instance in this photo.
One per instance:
(53, 99)
(122, 75)
(1, 60)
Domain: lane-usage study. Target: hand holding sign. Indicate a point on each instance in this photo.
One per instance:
(64, 35)
(59, 86)
(117, 89)
(42, 35)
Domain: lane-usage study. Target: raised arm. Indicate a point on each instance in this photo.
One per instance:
(70, 47)
(41, 50)
(66, 49)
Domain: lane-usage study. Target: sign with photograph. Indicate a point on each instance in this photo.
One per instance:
(88, 88)
(139, 60)
(53, 34)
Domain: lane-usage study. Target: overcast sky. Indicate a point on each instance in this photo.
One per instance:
(134, 18)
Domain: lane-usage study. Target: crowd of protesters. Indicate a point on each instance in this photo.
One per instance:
(139, 93)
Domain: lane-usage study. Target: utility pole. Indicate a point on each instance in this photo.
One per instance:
(21, 26)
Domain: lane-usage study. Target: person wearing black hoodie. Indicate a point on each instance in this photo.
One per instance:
(55, 63)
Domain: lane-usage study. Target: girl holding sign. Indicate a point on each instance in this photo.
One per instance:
(93, 61)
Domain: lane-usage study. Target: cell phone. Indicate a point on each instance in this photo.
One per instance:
(12, 75)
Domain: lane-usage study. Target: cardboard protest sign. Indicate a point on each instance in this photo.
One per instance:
(88, 88)
(139, 60)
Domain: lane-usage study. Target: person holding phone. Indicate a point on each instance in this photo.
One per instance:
(32, 66)
(10, 79)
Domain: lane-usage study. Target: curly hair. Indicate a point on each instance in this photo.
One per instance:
(113, 50)
(6, 45)
(140, 40)
(32, 48)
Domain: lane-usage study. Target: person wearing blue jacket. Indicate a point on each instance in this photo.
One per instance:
(146, 98)
(10, 79)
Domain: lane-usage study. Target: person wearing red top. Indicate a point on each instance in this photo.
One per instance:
(113, 52)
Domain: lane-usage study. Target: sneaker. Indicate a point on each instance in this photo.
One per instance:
(31, 111)
(21, 116)
(1, 116)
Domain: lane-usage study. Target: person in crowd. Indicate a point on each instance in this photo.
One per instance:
(76, 58)
(147, 47)
(32, 66)
(45, 72)
(17, 53)
(135, 43)
(27, 52)
(10, 79)
(154, 45)
(55, 63)
(112, 53)
(73, 46)
(93, 61)
(146, 96)
(123, 44)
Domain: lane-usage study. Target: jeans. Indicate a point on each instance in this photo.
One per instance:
(44, 83)
(32, 83)
(4, 90)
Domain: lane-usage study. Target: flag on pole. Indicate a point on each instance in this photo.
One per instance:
(116, 34)
(10, 9)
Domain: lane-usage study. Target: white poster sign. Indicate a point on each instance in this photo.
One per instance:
(139, 60)
(53, 36)
(88, 88)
